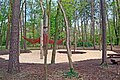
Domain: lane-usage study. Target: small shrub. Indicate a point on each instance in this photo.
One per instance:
(86, 44)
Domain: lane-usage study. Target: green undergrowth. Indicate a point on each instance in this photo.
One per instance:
(104, 65)
(72, 74)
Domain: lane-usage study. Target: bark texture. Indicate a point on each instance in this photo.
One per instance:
(103, 16)
(13, 65)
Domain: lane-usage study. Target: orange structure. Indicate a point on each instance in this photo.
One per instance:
(34, 41)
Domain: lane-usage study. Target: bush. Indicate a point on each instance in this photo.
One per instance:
(86, 44)
(4, 43)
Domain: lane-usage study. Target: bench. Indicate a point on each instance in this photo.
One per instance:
(115, 61)
(113, 55)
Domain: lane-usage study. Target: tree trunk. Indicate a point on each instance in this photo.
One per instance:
(41, 40)
(42, 8)
(21, 24)
(45, 38)
(1, 35)
(45, 45)
(67, 36)
(110, 37)
(82, 34)
(69, 23)
(55, 38)
(79, 31)
(118, 26)
(21, 30)
(75, 32)
(93, 23)
(41, 37)
(24, 28)
(8, 32)
(33, 29)
(13, 65)
(48, 14)
(103, 15)
(85, 31)
(100, 32)
(115, 22)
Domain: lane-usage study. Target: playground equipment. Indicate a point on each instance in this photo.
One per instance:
(34, 41)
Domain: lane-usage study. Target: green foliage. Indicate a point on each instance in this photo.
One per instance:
(104, 65)
(69, 6)
(112, 4)
(61, 35)
(86, 44)
(52, 21)
(0, 16)
(71, 74)
(3, 43)
(82, 6)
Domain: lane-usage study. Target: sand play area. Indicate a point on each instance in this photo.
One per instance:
(34, 57)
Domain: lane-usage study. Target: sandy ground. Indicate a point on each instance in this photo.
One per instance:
(34, 57)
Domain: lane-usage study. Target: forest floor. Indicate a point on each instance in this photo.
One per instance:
(87, 65)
